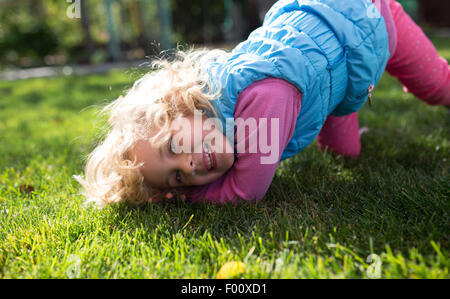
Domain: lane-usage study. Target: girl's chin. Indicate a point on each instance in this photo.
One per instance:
(227, 161)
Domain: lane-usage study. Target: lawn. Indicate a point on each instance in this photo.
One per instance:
(322, 217)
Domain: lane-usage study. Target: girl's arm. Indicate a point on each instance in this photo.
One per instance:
(249, 179)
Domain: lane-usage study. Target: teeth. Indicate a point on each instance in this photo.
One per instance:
(208, 152)
(206, 148)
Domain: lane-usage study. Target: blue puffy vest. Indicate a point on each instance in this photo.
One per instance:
(331, 50)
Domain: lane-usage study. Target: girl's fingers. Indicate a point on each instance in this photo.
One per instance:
(169, 195)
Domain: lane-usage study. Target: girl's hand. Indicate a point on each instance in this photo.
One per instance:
(168, 195)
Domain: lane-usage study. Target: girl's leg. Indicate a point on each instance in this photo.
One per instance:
(341, 135)
(416, 63)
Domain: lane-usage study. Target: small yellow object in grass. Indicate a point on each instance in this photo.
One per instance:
(230, 270)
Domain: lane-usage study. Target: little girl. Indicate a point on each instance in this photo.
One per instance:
(304, 74)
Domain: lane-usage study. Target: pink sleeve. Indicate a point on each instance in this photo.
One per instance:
(248, 178)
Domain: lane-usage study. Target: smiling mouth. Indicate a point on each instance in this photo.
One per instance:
(209, 158)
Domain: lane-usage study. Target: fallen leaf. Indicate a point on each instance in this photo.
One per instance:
(230, 270)
(26, 188)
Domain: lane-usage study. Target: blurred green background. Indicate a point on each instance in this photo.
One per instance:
(58, 32)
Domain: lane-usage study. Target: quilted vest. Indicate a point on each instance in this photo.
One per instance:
(333, 51)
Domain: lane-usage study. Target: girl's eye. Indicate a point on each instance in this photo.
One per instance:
(178, 177)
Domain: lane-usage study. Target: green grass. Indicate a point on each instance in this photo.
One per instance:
(322, 217)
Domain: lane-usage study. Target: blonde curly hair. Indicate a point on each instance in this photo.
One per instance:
(171, 89)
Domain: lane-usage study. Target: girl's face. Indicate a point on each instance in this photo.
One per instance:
(194, 155)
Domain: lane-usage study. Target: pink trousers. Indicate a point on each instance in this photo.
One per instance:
(415, 63)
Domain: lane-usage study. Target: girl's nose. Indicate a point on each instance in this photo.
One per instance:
(187, 165)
